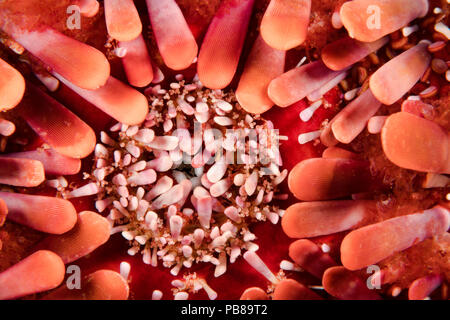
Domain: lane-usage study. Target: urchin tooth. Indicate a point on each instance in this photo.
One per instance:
(145, 135)
(82, 65)
(172, 196)
(233, 214)
(204, 210)
(133, 150)
(181, 296)
(122, 20)
(415, 143)
(187, 251)
(199, 160)
(343, 284)
(41, 271)
(255, 261)
(221, 268)
(289, 289)
(325, 179)
(157, 295)
(151, 219)
(7, 128)
(21, 172)
(54, 163)
(345, 52)
(220, 52)
(220, 187)
(217, 171)
(175, 40)
(224, 105)
(116, 99)
(239, 179)
(84, 191)
(185, 107)
(370, 20)
(307, 113)
(56, 125)
(176, 224)
(289, 266)
(90, 232)
(263, 65)
(142, 208)
(162, 185)
(285, 23)
(12, 86)
(138, 166)
(161, 164)
(421, 288)
(143, 178)
(254, 293)
(396, 77)
(310, 257)
(119, 180)
(251, 183)
(125, 269)
(186, 189)
(373, 243)
(307, 137)
(201, 107)
(88, 8)
(133, 204)
(199, 235)
(297, 83)
(101, 205)
(100, 285)
(235, 253)
(352, 120)
(223, 121)
(167, 143)
(137, 62)
(46, 214)
(212, 295)
(200, 192)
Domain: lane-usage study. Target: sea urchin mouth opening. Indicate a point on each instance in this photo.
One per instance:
(185, 185)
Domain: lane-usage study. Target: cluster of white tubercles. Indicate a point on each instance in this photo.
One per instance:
(191, 284)
(172, 191)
